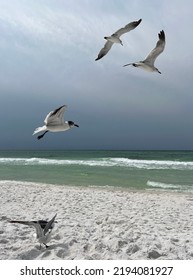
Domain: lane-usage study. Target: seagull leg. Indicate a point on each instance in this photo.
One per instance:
(42, 135)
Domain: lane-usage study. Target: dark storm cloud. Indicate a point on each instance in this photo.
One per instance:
(47, 54)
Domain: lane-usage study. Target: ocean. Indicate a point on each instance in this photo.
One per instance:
(155, 170)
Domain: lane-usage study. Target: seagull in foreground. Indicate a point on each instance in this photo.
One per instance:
(148, 63)
(43, 229)
(54, 122)
(115, 38)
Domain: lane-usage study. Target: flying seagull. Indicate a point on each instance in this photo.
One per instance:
(43, 229)
(54, 122)
(148, 63)
(115, 38)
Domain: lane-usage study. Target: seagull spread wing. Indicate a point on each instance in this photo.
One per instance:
(104, 50)
(39, 231)
(55, 117)
(49, 225)
(157, 50)
(130, 26)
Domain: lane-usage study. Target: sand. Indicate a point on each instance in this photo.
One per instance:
(96, 223)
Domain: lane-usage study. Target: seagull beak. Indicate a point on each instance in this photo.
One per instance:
(76, 125)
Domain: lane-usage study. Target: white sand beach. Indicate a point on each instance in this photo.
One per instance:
(96, 223)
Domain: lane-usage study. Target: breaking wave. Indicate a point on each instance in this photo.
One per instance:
(166, 186)
(103, 162)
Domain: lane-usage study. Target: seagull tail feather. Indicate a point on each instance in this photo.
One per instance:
(39, 129)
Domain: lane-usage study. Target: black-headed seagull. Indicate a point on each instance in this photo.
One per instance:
(115, 38)
(43, 229)
(54, 122)
(148, 63)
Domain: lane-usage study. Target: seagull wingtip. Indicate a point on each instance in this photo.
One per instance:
(161, 35)
(138, 22)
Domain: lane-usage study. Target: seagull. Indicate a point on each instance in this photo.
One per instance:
(115, 38)
(54, 122)
(43, 229)
(148, 63)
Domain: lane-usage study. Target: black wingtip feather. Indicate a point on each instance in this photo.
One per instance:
(98, 58)
(161, 35)
(138, 22)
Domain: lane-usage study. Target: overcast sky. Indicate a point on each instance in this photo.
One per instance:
(47, 59)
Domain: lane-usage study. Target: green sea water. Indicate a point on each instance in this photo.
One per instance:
(166, 170)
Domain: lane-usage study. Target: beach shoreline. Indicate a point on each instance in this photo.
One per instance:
(96, 223)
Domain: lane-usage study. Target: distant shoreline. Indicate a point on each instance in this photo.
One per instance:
(97, 187)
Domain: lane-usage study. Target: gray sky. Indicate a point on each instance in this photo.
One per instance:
(47, 59)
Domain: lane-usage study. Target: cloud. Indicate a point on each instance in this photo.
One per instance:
(48, 50)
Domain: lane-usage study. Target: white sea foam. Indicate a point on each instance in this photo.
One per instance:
(161, 185)
(106, 162)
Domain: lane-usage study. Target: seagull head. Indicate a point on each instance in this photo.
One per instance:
(71, 124)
